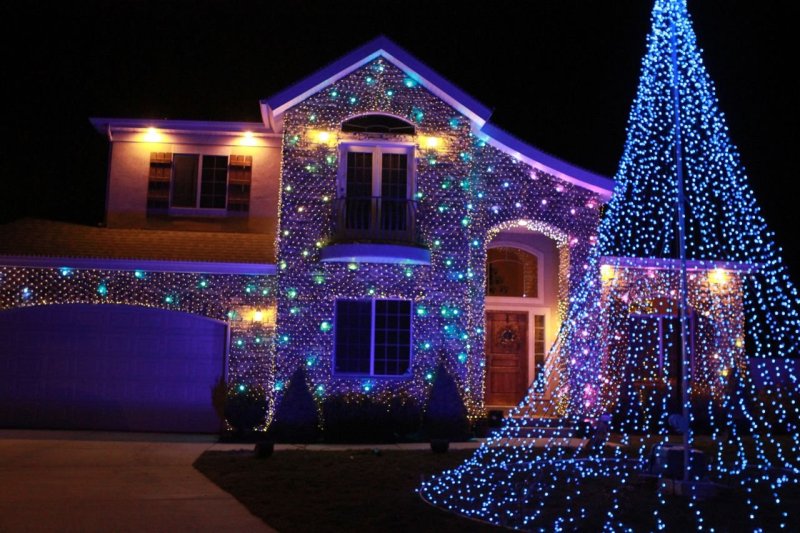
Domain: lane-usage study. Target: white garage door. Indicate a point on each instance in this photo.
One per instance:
(110, 367)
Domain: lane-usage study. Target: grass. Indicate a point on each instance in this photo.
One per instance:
(296, 491)
(365, 491)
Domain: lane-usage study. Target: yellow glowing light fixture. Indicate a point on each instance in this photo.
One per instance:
(263, 317)
(152, 135)
(430, 143)
(248, 139)
(322, 137)
(718, 276)
(607, 272)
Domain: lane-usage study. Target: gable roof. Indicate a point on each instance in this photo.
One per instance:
(379, 47)
(274, 106)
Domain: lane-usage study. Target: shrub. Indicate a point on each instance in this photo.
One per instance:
(244, 407)
(406, 417)
(297, 418)
(445, 416)
(363, 419)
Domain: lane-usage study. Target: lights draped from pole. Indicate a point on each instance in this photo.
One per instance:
(619, 357)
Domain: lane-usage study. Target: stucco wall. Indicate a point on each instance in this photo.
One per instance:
(128, 178)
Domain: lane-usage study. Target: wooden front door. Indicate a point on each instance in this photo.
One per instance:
(506, 357)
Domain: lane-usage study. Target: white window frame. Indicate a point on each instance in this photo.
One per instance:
(372, 339)
(197, 210)
(377, 149)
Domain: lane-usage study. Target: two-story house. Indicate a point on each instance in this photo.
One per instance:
(373, 226)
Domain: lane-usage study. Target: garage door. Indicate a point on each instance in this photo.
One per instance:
(109, 367)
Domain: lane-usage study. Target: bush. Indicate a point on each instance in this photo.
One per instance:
(243, 407)
(445, 416)
(297, 418)
(364, 419)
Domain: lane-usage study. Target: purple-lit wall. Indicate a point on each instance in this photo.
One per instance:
(223, 297)
(468, 190)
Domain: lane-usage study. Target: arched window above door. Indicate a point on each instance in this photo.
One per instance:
(378, 123)
(512, 272)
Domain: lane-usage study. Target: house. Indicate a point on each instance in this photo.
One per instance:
(374, 225)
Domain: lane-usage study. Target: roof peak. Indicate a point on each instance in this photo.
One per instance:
(274, 107)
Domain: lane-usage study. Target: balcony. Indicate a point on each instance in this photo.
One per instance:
(375, 230)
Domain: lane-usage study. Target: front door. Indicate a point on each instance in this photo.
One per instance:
(506, 357)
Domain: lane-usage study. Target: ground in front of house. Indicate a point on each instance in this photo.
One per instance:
(315, 489)
(98, 481)
(339, 491)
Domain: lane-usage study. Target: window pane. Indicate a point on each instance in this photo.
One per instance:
(359, 175)
(184, 180)
(393, 350)
(353, 328)
(214, 181)
(394, 176)
(378, 124)
(394, 201)
(512, 272)
(358, 193)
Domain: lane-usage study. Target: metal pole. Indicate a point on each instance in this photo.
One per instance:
(684, 305)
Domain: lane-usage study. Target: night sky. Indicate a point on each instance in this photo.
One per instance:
(560, 74)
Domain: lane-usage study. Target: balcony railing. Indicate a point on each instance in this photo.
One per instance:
(376, 220)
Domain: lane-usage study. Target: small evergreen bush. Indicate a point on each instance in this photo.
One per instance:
(244, 407)
(446, 415)
(297, 418)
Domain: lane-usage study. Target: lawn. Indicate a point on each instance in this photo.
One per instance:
(374, 491)
(295, 491)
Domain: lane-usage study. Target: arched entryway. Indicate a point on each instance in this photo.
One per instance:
(522, 296)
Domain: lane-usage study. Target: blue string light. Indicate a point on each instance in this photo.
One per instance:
(614, 364)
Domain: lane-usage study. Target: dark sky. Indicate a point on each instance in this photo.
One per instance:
(560, 74)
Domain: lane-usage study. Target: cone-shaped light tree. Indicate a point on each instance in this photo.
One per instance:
(680, 340)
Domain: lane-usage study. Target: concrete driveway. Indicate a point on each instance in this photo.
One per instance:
(84, 481)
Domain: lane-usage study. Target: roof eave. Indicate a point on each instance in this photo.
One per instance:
(504, 141)
(108, 126)
(149, 265)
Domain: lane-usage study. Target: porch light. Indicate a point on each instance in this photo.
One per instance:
(262, 316)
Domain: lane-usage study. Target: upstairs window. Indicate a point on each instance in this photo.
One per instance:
(375, 192)
(189, 183)
(199, 181)
(373, 337)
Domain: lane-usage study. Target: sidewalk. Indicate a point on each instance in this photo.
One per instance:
(93, 481)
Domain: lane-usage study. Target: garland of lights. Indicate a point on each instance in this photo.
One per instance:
(742, 400)
(466, 192)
